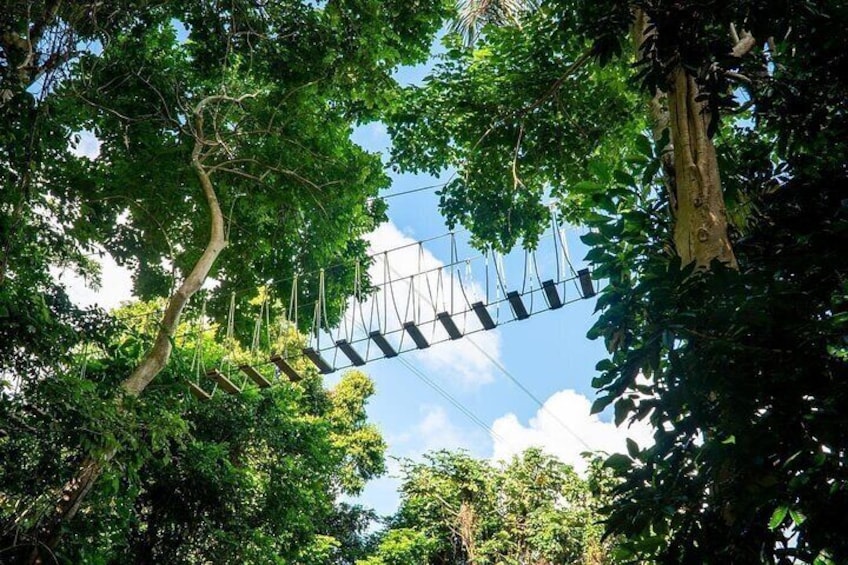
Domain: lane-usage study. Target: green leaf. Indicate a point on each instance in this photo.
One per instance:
(622, 410)
(587, 186)
(632, 448)
(645, 146)
(592, 239)
(604, 365)
(601, 403)
(777, 517)
(624, 178)
(618, 462)
(797, 517)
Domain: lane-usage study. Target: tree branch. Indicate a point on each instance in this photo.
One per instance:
(741, 45)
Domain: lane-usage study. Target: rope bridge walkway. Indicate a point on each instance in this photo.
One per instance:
(414, 301)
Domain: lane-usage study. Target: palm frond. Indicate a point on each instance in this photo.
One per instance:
(473, 15)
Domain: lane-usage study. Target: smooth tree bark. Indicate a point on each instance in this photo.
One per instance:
(689, 162)
(49, 531)
(700, 227)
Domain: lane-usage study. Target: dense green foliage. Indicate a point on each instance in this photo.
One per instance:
(296, 191)
(251, 478)
(521, 117)
(533, 509)
(233, 121)
(744, 371)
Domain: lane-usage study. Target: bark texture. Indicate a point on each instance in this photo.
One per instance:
(689, 163)
(74, 492)
(700, 229)
(658, 114)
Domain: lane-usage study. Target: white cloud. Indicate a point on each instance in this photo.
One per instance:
(85, 144)
(418, 297)
(436, 431)
(115, 285)
(549, 430)
(433, 431)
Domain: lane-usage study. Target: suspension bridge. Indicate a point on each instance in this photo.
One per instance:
(415, 301)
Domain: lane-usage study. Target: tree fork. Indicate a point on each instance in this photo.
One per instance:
(49, 533)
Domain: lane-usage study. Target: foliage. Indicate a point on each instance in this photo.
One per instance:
(203, 116)
(742, 371)
(520, 116)
(250, 478)
(533, 509)
(284, 83)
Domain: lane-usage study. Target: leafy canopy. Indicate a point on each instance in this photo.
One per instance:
(741, 372)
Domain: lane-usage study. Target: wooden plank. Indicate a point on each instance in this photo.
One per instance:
(223, 382)
(285, 368)
(198, 392)
(449, 325)
(416, 335)
(255, 376)
(318, 361)
(517, 305)
(552, 293)
(586, 283)
(350, 352)
(483, 314)
(383, 344)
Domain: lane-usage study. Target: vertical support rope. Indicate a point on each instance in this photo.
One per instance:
(231, 317)
(486, 261)
(293, 308)
(409, 298)
(469, 280)
(453, 255)
(563, 241)
(197, 363)
(257, 327)
(84, 366)
(524, 274)
(268, 317)
(554, 229)
(385, 292)
(358, 296)
(420, 260)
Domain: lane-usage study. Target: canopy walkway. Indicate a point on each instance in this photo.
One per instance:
(414, 301)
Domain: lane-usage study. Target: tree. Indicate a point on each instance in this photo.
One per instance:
(533, 509)
(218, 129)
(251, 478)
(710, 184)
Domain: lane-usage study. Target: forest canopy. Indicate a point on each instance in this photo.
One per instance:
(703, 146)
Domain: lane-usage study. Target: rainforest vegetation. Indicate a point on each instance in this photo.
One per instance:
(703, 145)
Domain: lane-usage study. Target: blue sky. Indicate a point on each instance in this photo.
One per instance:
(548, 353)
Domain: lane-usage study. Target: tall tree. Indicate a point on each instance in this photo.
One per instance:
(533, 509)
(249, 478)
(219, 126)
(711, 184)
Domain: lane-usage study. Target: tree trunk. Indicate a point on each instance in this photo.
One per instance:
(49, 532)
(700, 229)
(657, 114)
(689, 164)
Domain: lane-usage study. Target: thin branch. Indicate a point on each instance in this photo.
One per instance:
(516, 182)
(743, 45)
